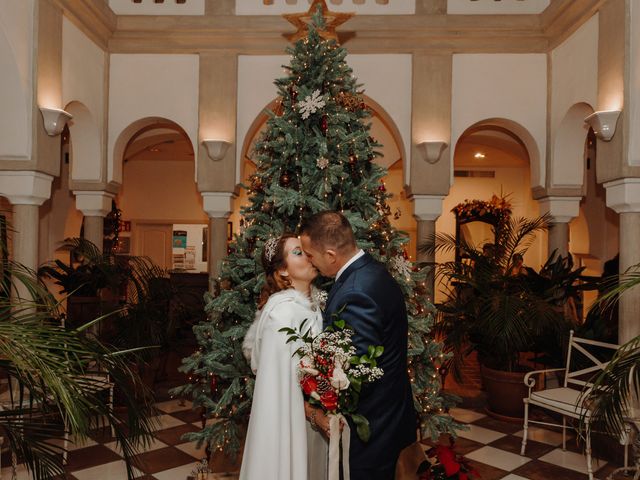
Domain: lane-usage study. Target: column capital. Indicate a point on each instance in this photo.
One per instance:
(427, 207)
(93, 203)
(25, 187)
(218, 204)
(562, 209)
(623, 195)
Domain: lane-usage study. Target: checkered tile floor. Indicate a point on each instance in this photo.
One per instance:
(167, 458)
(492, 446)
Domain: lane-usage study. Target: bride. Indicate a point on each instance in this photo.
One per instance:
(281, 444)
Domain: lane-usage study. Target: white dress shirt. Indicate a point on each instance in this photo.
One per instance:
(351, 260)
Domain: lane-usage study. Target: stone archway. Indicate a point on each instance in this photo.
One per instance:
(567, 168)
(130, 133)
(85, 150)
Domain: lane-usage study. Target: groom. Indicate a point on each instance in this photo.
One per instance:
(371, 302)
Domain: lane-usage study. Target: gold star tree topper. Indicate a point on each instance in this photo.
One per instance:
(302, 21)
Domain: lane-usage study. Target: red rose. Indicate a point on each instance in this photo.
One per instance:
(309, 384)
(329, 400)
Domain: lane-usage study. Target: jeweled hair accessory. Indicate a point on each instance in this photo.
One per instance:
(270, 248)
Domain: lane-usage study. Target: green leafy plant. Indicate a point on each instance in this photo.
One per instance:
(89, 272)
(488, 308)
(615, 395)
(48, 366)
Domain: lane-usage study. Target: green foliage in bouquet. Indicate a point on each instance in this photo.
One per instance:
(331, 374)
(315, 154)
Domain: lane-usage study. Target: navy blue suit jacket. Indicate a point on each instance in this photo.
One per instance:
(374, 306)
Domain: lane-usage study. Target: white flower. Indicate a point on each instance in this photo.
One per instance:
(307, 366)
(339, 379)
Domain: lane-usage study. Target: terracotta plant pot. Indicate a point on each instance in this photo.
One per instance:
(505, 391)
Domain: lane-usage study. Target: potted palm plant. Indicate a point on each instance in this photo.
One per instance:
(493, 307)
(145, 317)
(91, 282)
(49, 366)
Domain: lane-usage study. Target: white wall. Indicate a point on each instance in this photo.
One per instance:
(148, 85)
(386, 79)
(149, 7)
(83, 81)
(160, 191)
(502, 7)
(508, 86)
(366, 7)
(574, 80)
(16, 53)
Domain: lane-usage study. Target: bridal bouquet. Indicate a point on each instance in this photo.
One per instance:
(331, 374)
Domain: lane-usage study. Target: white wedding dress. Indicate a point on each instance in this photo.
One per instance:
(280, 443)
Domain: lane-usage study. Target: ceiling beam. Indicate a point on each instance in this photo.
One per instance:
(263, 34)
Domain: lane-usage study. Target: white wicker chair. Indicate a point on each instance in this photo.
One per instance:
(566, 399)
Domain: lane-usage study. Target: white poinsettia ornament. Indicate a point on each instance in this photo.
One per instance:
(322, 163)
(311, 104)
(401, 266)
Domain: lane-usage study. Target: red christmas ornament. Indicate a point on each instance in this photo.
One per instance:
(213, 383)
(324, 124)
(284, 180)
(382, 188)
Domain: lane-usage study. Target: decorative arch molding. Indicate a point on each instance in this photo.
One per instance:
(258, 123)
(85, 146)
(136, 128)
(566, 169)
(515, 129)
(15, 115)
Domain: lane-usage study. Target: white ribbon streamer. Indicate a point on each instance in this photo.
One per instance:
(335, 438)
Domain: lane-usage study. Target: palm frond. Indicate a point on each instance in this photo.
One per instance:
(615, 395)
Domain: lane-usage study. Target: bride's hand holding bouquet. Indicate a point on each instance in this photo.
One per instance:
(331, 374)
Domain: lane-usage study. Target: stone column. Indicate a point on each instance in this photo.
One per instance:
(623, 196)
(562, 211)
(218, 206)
(426, 210)
(26, 190)
(94, 205)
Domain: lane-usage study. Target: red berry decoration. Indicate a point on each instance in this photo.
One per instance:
(382, 188)
(213, 383)
(324, 124)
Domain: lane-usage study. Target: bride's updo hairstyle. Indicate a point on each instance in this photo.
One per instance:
(273, 260)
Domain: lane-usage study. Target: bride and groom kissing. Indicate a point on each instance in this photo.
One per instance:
(287, 437)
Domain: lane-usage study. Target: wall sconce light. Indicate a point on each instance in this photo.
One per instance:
(431, 151)
(54, 120)
(216, 149)
(603, 123)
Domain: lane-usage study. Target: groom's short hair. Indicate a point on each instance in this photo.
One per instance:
(329, 230)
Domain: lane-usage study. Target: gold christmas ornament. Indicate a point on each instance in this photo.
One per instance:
(302, 21)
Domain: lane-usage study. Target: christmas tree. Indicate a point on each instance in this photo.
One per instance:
(315, 154)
